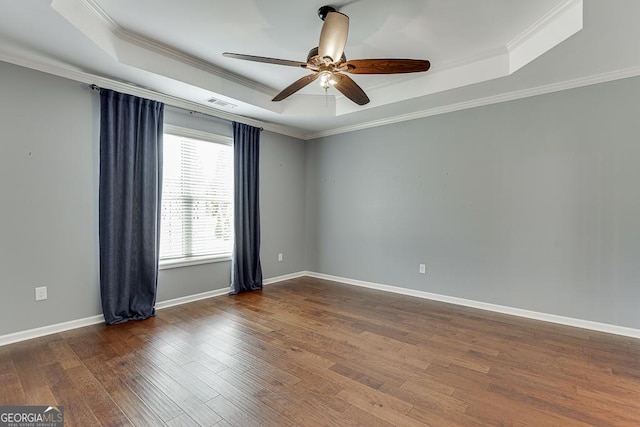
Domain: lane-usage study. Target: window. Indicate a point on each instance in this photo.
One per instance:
(197, 197)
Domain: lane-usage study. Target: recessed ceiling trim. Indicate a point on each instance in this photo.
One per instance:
(103, 82)
(556, 26)
(97, 26)
(99, 12)
(145, 42)
(496, 99)
(191, 60)
(547, 32)
(483, 56)
(142, 53)
(88, 78)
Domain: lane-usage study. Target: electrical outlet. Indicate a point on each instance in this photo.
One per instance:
(423, 269)
(280, 257)
(41, 293)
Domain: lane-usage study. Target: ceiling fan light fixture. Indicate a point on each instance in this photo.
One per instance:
(327, 79)
(331, 72)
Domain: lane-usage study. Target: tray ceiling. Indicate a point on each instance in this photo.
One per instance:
(478, 50)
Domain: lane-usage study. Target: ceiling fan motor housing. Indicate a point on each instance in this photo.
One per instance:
(314, 52)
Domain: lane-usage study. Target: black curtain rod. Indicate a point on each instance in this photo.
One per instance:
(96, 88)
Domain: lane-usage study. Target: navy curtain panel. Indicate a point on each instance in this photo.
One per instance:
(130, 194)
(246, 271)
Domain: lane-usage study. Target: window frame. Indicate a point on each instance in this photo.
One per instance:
(203, 136)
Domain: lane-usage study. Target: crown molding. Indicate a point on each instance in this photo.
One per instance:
(104, 82)
(125, 46)
(495, 99)
(88, 78)
(463, 62)
(146, 43)
(543, 23)
(100, 13)
(73, 74)
(553, 28)
(178, 55)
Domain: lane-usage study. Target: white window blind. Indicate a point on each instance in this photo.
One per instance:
(197, 199)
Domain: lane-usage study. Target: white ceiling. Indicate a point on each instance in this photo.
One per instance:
(481, 51)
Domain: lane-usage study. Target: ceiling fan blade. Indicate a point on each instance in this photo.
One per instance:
(295, 86)
(386, 66)
(350, 89)
(265, 60)
(333, 36)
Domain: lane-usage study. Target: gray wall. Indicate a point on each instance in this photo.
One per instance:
(282, 193)
(48, 199)
(533, 204)
(49, 158)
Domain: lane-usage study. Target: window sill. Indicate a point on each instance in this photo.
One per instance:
(185, 262)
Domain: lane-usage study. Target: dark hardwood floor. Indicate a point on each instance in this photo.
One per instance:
(308, 352)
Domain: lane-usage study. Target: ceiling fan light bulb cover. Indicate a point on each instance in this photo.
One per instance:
(326, 79)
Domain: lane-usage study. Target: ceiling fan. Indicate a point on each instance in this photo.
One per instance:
(328, 62)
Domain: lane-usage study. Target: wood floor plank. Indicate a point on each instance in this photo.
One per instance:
(64, 355)
(78, 411)
(193, 383)
(230, 413)
(438, 419)
(28, 367)
(355, 416)
(310, 352)
(180, 395)
(102, 404)
(495, 409)
(184, 420)
(247, 397)
(200, 412)
(127, 401)
(11, 392)
(157, 401)
(381, 405)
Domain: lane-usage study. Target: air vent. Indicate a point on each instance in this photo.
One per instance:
(220, 103)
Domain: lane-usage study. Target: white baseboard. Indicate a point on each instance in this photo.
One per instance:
(191, 298)
(50, 329)
(579, 323)
(285, 277)
(93, 320)
(562, 320)
(223, 291)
